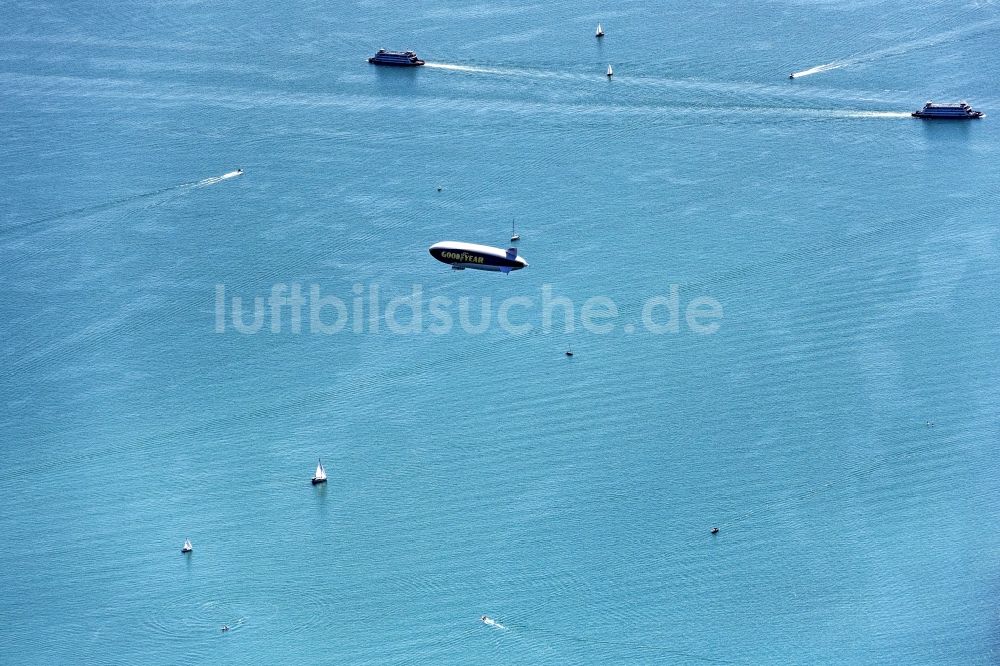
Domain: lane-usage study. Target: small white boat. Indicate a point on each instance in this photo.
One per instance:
(514, 236)
(187, 547)
(611, 72)
(599, 32)
(320, 475)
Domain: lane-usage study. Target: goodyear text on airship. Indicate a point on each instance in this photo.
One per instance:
(481, 257)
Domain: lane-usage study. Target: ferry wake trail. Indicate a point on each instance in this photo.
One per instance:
(466, 68)
(873, 114)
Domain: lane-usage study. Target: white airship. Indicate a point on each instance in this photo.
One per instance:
(481, 257)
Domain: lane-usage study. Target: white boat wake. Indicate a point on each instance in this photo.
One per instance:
(218, 179)
(876, 114)
(868, 56)
(490, 622)
(819, 68)
(156, 198)
(466, 68)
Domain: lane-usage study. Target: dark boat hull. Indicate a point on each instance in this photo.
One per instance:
(959, 111)
(384, 63)
(396, 58)
(933, 116)
(316, 482)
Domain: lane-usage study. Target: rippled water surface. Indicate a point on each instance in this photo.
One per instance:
(840, 427)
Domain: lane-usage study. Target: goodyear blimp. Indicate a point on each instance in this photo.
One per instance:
(480, 257)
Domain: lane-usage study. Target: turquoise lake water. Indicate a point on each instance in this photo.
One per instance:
(839, 427)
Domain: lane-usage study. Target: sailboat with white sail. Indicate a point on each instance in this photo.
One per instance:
(320, 475)
(514, 236)
(599, 32)
(187, 547)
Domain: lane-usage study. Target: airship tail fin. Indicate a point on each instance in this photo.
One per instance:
(505, 270)
(512, 253)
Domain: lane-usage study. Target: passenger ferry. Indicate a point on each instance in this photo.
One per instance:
(396, 58)
(960, 111)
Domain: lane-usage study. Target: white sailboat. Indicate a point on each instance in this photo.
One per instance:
(187, 547)
(599, 32)
(611, 72)
(320, 475)
(514, 236)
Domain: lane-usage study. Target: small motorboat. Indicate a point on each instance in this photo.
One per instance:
(715, 530)
(792, 75)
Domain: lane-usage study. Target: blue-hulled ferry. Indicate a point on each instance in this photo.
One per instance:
(396, 58)
(960, 111)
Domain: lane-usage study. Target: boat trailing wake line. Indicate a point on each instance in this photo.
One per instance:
(702, 86)
(217, 179)
(899, 49)
(116, 203)
(577, 638)
(817, 69)
(490, 622)
(874, 114)
(95, 208)
(652, 648)
(465, 68)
